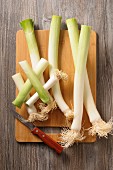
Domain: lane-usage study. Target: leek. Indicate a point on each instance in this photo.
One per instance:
(39, 69)
(69, 136)
(43, 94)
(99, 127)
(53, 61)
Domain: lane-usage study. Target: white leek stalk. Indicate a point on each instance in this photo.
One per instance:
(19, 82)
(53, 61)
(99, 127)
(23, 93)
(48, 85)
(69, 136)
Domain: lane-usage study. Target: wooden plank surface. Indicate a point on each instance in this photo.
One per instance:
(33, 156)
(56, 117)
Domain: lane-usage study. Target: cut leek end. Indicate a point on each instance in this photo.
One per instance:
(27, 25)
(71, 20)
(17, 104)
(86, 27)
(56, 17)
(101, 128)
(56, 21)
(70, 136)
(16, 75)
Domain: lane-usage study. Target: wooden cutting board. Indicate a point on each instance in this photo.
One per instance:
(56, 118)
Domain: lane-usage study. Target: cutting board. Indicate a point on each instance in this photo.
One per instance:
(56, 118)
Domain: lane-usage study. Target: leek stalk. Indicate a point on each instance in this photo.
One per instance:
(53, 61)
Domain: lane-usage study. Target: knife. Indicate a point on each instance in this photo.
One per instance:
(36, 131)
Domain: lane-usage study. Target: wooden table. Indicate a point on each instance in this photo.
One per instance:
(33, 156)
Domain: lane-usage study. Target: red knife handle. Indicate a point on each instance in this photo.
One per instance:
(47, 140)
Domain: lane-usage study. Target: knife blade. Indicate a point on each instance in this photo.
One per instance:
(36, 131)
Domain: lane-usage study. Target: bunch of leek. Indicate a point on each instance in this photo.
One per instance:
(69, 136)
(99, 127)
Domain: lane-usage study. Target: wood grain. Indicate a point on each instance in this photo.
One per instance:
(56, 117)
(33, 156)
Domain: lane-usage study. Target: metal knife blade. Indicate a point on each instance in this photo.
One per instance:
(22, 120)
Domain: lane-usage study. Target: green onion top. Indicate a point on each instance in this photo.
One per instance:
(28, 28)
(27, 25)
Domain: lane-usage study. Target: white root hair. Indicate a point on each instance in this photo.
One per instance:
(43, 114)
(37, 116)
(70, 136)
(47, 108)
(101, 128)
